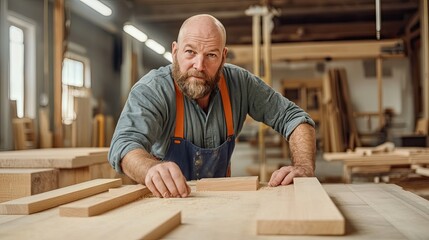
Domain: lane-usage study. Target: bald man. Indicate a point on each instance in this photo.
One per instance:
(180, 121)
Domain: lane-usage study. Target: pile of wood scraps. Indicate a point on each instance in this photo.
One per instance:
(378, 160)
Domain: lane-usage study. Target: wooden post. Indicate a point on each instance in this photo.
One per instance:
(379, 69)
(424, 36)
(5, 119)
(58, 66)
(256, 31)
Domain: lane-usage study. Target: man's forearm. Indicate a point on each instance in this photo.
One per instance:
(302, 145)
(136, 163)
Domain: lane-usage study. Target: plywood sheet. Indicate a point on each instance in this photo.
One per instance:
(303, 208)
(43, 201)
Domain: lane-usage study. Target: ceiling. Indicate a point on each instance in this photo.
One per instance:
(297, 20)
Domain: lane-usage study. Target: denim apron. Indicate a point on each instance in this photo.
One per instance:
(196, 162)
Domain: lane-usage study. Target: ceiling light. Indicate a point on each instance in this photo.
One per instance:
(98, 6)
(152, 44)
(135, 32)
(168, 56)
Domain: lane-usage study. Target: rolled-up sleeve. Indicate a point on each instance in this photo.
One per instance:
(139, 125)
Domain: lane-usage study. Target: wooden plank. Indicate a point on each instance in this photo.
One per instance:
(422, 171)
(103, 202)
(17, 183)
(53, 158)
(43, 201)
(228, 184)
(57, 69)
(304, 209)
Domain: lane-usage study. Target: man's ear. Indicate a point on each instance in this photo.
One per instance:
(174, 49)
(225, 53)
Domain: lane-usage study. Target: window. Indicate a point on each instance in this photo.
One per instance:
(22, 64)
(16, 68)
(75, 83)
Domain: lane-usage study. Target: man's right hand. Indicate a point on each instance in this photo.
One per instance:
(166, 180)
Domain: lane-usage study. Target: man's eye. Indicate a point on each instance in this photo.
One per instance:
(189, 51)
(211, 55)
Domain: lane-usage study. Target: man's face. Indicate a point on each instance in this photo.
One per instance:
(198, 61)
(193, 83)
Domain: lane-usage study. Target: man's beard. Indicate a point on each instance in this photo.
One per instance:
(198, 88)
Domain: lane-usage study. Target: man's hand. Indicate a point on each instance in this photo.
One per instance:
(166, 180)
(285, 175)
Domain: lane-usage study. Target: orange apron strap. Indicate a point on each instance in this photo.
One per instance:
(180, 110)
(226, 106)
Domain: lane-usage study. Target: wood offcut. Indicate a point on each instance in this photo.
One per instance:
(228, 184)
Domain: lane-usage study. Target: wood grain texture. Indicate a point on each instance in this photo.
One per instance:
(54, 198)
(21, 182)
(103, 202)
(303, 208)
(228, 184)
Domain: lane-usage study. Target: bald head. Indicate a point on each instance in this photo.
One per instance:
(202, 25)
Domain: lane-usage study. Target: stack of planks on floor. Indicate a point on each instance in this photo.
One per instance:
(340, 132)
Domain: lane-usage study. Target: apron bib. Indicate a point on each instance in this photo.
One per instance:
(196, 162)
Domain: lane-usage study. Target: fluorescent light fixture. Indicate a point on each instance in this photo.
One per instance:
(152, 44)
(168, 56)
(135, 32)
(98, 6)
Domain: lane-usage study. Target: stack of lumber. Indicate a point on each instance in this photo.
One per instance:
(340, 131)
(57, 167)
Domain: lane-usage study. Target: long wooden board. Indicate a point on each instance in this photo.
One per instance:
(228, 184)
(43, 201)
(303, 208)
(53, 158)
(103, 202)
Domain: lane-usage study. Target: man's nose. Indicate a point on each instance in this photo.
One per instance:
(199, 63)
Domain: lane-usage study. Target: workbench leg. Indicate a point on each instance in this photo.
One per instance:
(347, 174)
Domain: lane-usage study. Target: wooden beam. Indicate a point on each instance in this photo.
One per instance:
(424, 26)
(228, 184)
(54, 198)
(303, 208)
(16, 183)
(316, 51)
(53, 158)
(58, 66)
(103, 202)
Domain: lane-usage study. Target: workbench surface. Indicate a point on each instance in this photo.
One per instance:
(372, 211)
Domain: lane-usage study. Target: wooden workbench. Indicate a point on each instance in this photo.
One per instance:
(372, 211)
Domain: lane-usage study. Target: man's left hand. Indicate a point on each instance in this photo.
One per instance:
(285, 175)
